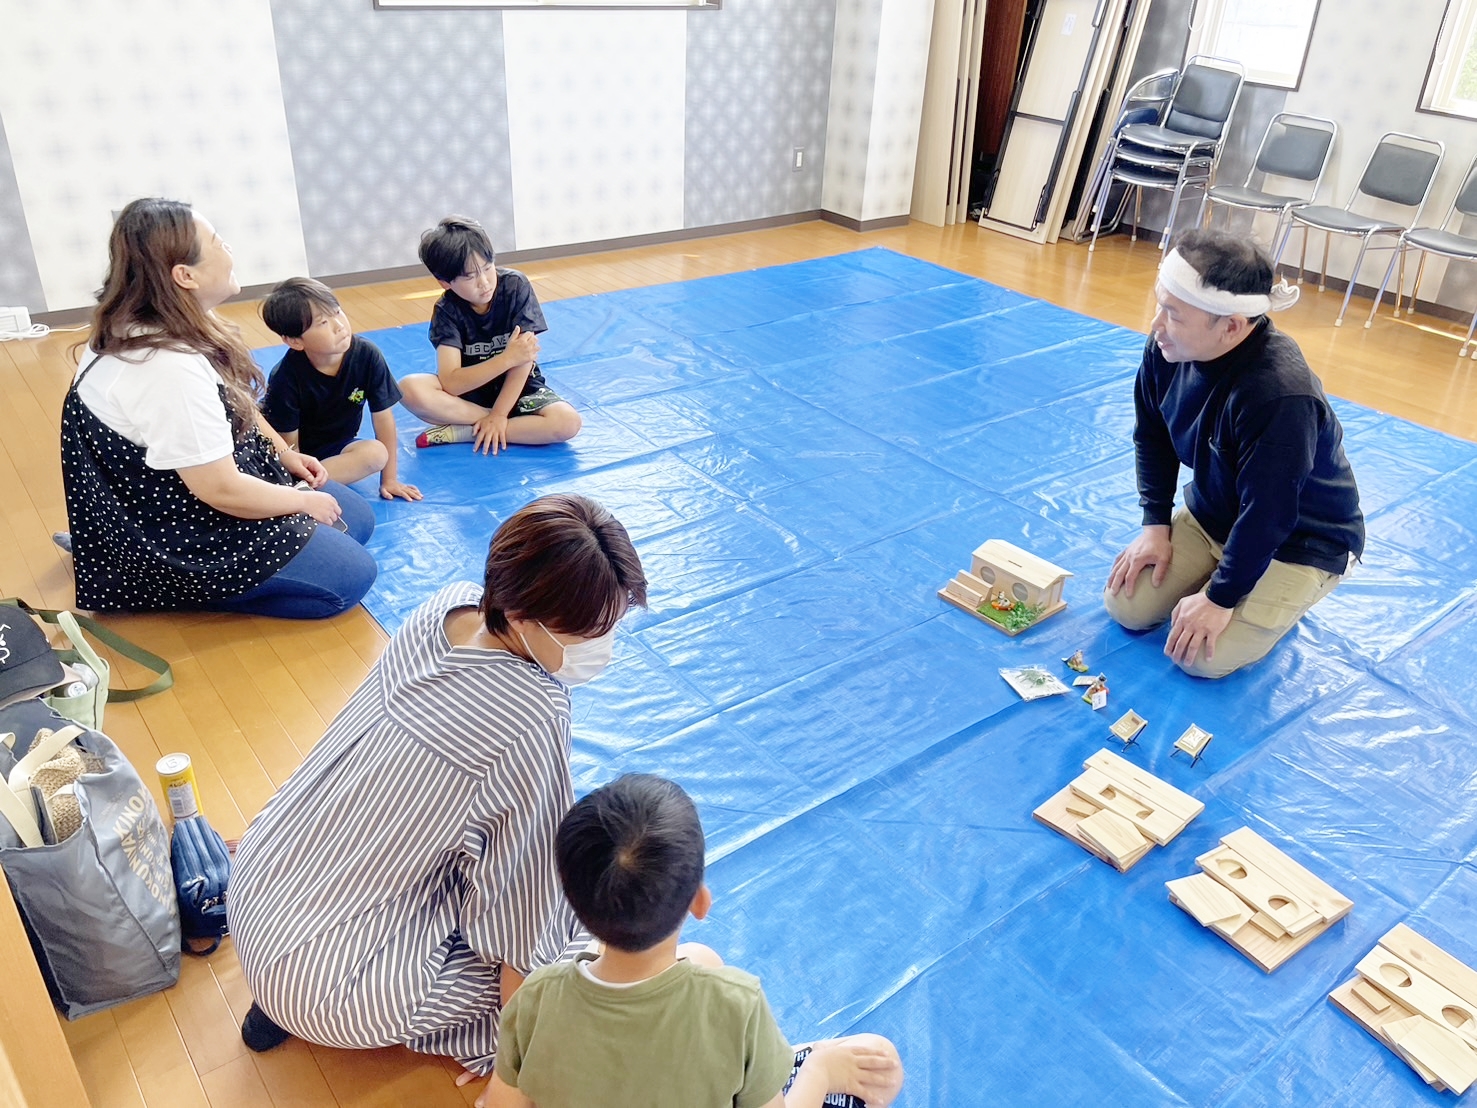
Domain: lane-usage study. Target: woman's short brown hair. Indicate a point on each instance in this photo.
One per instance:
(564, 561)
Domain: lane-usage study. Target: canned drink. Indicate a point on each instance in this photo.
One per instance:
(178, 778)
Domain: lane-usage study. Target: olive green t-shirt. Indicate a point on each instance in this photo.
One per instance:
(690, 1037)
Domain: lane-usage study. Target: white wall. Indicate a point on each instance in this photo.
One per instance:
(104, 103)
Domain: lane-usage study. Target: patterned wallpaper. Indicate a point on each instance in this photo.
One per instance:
(396, 119)
(322, 136)
(20, 283)
(164, 98)
(758, 84)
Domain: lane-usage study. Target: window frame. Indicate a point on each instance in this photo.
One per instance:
(1441, 76)
(550, 5)
(1207, 18)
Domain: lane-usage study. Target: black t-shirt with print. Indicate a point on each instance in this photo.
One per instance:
(328, 411)
(479, 337)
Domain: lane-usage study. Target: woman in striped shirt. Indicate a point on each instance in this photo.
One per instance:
(401, 883)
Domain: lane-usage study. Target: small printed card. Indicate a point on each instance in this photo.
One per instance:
(1128, 726)
(1085, 679)
(1033, 682)
(1193, 740)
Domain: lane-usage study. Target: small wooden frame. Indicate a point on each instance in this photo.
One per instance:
(1193, 742)
(1112, 797)
(1421, 1003)
(1000, 573)
(1285, 907)
(1127, 729)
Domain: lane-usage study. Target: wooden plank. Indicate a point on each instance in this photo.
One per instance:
(1348, 999)
(1401, 981)
(1143, 785)
(1436, 963)
(1207, 900)
(1330, 903)
(1284, 904)
(1143, 812)
(1115, 835)
(1432, 1046)
(1261, 948)
(1053, 812)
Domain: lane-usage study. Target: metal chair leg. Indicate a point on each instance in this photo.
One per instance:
(1466, 342)
(1400, 284)
(1399, 256)
(1303, 257)
(1323, 273)
(1138, 208)
(1420, 269)
(1348, 292)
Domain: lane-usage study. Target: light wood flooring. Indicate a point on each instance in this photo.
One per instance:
(253, 695)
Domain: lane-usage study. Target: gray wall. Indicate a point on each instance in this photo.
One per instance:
(758, 85)
(395, 119)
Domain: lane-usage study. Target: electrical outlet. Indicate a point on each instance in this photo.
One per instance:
(797, 159)
(13, 321)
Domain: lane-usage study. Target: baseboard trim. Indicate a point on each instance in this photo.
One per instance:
(864, 225)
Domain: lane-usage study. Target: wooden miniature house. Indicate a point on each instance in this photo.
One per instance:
(1003, 579)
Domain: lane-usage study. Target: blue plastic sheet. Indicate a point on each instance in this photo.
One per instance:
(803, 456)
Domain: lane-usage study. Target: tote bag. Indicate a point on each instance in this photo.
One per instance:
(99, 906)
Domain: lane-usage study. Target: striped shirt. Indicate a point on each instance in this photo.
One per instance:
(375, 897)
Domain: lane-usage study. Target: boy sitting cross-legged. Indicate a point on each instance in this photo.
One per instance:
(317, 394)
(487, 388)
(647, 1022)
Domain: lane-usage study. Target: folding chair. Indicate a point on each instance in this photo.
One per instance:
(1400, 171)
(1143, 103)
(1440, 241)
(1183, 149)
(1294, 148)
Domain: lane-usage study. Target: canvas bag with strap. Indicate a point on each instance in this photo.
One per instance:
(99, 906)
(87, 708)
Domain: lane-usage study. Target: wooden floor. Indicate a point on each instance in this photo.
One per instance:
(252, 695)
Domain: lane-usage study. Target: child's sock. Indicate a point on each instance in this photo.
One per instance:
(445, 434)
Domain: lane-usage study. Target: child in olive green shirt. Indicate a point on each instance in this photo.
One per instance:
(648, 1022)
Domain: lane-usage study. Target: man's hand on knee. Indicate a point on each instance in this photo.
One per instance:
(1195, 624)
(1151, 548)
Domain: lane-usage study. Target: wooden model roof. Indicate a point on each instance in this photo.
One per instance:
(1027, 567)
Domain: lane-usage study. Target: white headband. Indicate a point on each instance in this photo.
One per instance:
(1179, 278)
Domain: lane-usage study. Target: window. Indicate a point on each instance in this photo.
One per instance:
(1451, 82)
(1269, 37)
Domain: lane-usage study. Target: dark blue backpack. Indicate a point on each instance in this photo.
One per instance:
(202, 869)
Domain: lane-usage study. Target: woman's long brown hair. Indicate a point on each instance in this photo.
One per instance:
(140, 307)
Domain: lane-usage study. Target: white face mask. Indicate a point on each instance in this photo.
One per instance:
(583, 661)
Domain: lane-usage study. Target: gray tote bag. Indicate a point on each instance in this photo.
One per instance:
(99, 906)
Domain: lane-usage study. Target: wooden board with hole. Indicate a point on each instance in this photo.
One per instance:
(1286, 906)
(1157, 810)
(1421, 1003)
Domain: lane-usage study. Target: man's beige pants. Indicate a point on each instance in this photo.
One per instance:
(1264, 615)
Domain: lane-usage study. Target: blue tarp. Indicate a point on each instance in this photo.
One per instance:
(803, 456)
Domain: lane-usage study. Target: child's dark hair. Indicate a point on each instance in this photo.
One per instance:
(565, 561)
(288, 308)
(630, 859)
(448, 248)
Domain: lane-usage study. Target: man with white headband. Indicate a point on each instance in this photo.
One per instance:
(1271, 515)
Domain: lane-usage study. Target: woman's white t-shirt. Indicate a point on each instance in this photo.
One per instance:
(168, 402)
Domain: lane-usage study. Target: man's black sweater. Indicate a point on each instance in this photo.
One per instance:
(1270, 479)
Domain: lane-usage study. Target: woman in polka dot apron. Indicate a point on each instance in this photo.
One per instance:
(180, 495)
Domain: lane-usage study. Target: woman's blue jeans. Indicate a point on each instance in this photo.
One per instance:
(327, 576)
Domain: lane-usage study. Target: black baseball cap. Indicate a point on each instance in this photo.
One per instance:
(28, 665)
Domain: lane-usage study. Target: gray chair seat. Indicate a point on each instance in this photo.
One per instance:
(1345, 222)
(1244, 197)
(1162, 138)
(1442, 242)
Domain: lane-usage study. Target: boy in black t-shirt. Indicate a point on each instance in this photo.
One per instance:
(487, 388)
(317, 394)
